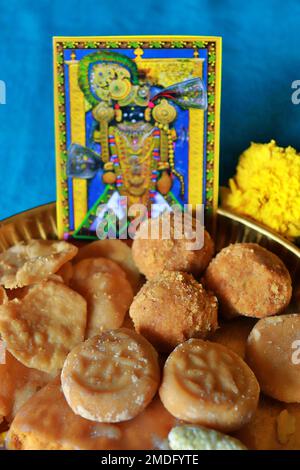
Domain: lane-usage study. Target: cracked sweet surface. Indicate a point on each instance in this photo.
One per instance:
(27, 263)
(272, 354)
(153, 256)
(117, 251)
(207, 383)
(249, 280)
(111, 377)
(42, 327)
(108, 293)
(172, 308)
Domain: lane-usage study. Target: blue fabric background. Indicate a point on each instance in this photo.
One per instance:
(261, 58)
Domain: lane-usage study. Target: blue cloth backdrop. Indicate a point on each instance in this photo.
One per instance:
(261, 58)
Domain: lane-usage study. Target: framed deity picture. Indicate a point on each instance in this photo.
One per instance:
(137, 122)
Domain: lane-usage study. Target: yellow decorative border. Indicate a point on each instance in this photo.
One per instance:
(212, 43)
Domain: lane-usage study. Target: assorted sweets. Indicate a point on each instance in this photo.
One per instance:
(96, 359)
(173, 307)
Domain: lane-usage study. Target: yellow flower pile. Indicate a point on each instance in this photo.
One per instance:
(266, 187)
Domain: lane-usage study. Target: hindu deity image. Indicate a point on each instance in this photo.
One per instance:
(136, 123)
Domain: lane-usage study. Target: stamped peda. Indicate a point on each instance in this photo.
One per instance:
(273, 353)
(111, 377)
(117, 251)
(108, 293)
(172, 308)
(42, 327)
(207, 383)
(27, 263)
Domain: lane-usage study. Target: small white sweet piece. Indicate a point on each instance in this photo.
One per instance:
(200, 438)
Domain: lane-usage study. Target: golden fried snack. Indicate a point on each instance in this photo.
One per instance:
(208, 384)
(66, 272)
(188, 437)
(40, 329)
(111, 377)
(275, 426)
(152, 256)
(3, 296)
(27, 263)
(249, 280)
(117, 251)
(108, 293)
(17, 384)
(172, 308)
(273, 353)
(234, 334)
(46, 422)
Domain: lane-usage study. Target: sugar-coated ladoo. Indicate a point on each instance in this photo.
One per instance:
(249, 280)
(172, 308)
(273, 353)
(153, 256)
(208, 384)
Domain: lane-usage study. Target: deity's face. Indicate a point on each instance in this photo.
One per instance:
(133, 114)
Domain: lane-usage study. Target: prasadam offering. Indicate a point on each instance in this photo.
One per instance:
(185, 336)
(109, 381)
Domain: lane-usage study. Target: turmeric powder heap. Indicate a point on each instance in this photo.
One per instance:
(266, 187)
